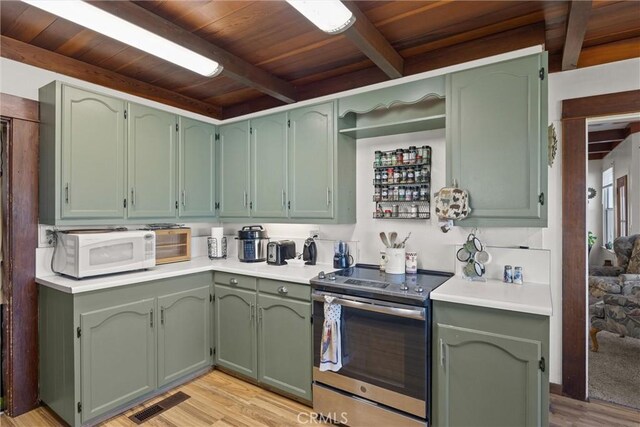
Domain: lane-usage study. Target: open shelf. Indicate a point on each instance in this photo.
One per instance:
(394, 128)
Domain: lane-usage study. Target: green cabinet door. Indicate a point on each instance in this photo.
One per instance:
(486, 379)
(183, 334)
(284, 344)
(117, 356)
(151, 163)
(496, 141)
(236, 330)
(197, 148)
(311, 160)
(93, 155)
(269, 166)
(234, 170)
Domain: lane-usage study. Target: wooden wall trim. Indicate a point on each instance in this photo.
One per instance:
(19, 242)
(602, 105)
(19, 108)
(575, 113)
(574, 255)
(555, 388)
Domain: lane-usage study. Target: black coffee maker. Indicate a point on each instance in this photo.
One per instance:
(310, 251)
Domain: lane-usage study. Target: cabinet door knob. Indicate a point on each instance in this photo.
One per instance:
(233, 281)
(283, 289)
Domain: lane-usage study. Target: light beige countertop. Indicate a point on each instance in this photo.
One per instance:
(532, 298)
(297, 273)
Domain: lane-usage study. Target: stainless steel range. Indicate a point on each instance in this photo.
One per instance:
(386, 346)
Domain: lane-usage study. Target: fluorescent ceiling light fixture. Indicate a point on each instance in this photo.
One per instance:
(96, 19)
(331, 16)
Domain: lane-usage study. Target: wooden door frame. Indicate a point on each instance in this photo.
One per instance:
(622, 182)
(19, 242)
(575, 113)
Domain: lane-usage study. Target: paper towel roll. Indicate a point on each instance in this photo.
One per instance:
(217, 232)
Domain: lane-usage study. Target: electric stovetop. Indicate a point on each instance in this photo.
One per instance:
(368, 281)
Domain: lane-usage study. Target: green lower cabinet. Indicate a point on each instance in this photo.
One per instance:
(235, 330)
(489, 367)
(118, 354)
(284, 330)
(184, 334)
(103, 351)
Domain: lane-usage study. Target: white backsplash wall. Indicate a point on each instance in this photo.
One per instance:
(435, 248)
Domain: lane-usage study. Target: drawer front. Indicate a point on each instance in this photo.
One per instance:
(235, 281)
(285, 289)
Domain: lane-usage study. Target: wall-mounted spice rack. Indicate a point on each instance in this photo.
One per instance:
(402, 183)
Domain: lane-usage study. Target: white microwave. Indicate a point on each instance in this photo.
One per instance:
(86, 253)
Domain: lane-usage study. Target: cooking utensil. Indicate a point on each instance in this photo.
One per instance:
(392, 238)
(401, 245)
(385, 240)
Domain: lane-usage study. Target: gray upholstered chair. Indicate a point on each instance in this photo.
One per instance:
(614, 295)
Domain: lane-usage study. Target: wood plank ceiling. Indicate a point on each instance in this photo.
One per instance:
(273, 55)
(603, 141)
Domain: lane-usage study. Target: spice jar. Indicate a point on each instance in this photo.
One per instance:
(377, 193)
(396, 176)
(394, 196)
(419, 155)
(417, 174)
(377, 178)
(411, 176)
(403, 176)
(378, 158)
(394, 158)
(401, 194)
(412, 154)
(399, 156)
(384, 194)
(390, 176)
(416, 193)
(423, 192)
(395, 211)
(413, 212)
(408, 196)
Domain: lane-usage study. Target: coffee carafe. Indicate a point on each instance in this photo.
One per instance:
(341, 257)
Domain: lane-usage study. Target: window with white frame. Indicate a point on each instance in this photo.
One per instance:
(608, 216)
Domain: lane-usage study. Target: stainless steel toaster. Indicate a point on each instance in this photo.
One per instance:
(279, 252)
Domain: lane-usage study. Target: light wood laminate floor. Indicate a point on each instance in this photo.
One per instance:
(220, 400)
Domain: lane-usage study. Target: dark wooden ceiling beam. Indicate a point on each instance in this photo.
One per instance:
(42, 58)
(607, 135)
(234, 67)
(634, 127)
(373, 44)
(579, 12)
(603, 147)
(596, 156)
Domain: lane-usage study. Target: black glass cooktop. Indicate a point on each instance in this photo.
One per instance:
(367, 280)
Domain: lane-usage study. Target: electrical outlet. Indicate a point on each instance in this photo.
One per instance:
(45, 236)
(315, 233)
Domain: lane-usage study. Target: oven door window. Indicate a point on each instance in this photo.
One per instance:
(380, 349)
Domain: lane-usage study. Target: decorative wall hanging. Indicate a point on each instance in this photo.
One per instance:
(553, 143)
(591, 193)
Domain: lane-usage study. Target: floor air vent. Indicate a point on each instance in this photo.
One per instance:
(158, 408)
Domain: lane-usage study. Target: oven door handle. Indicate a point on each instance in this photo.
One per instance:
(410, 313)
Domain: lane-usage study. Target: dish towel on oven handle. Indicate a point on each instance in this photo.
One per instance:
(331, 345)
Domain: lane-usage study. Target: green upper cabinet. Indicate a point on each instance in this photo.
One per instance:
(311, 161)
(235, 311)
(82, 156)
(152, 139)
(183, 334)
(93, 141)
(497, 141)
(118, 361)
(234, 170)
(197, 184)
(269, 166)
(284, 344)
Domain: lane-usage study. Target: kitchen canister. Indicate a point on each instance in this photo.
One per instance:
(395, 260)
(411, 262)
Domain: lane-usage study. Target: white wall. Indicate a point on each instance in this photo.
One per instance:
(435, 248)
(625, 159)
(594, 209)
